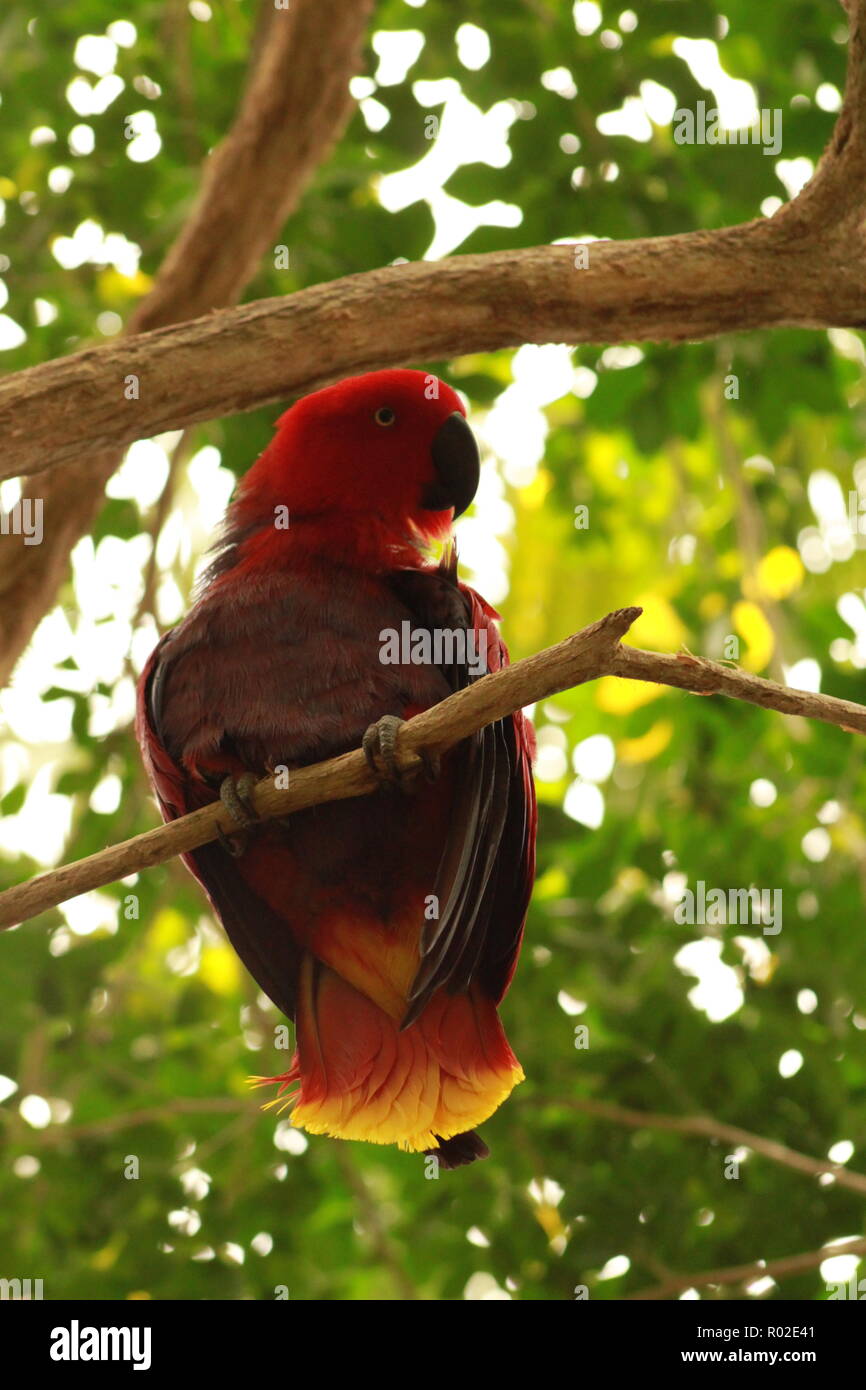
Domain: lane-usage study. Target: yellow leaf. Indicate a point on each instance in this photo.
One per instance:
(648, 746)
(549, 1220)
(630, 883)
(712, 605)
(218, 969)
(729, 565)
(763, 972)
(169, 929)
(112, 286)
(756, 632)
(552, 884)
(532, 496)
(616, 696)
(551, 793)
(106, 1258)
(658, 627)
(780, 572)
(602, 459)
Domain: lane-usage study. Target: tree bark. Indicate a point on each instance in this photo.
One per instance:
(698, 285)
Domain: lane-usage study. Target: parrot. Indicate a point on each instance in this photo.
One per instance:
(386, 927)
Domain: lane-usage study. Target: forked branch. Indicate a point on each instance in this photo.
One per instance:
(593, 652)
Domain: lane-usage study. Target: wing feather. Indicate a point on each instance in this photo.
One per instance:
(487, 866)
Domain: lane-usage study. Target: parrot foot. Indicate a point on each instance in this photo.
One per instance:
(380, 749)
(236, 796)
(459, 1150)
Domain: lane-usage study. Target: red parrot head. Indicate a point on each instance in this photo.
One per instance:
(390, 447)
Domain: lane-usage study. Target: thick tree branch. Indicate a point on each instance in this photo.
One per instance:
(803, 267)
(698, 285)
(294, 107)
(595, 651)
(835, 196)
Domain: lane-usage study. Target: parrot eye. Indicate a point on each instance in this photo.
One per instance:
(385, 416)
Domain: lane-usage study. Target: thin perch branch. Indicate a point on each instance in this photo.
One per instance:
(746, 1274)
(710, 1128)
(594, 651)
(577, 659)
(703, 677)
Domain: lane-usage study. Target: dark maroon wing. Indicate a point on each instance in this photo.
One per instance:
(487, 868)
(260, 937)
(516, 863)
(283, 674)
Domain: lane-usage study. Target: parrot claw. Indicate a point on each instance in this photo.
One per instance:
(236, 796)
(379, 745)
(235, 847)
(431, 763)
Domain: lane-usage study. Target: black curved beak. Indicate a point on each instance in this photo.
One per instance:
(455, 458)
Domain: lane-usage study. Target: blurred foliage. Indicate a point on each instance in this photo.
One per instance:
(721, 509)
